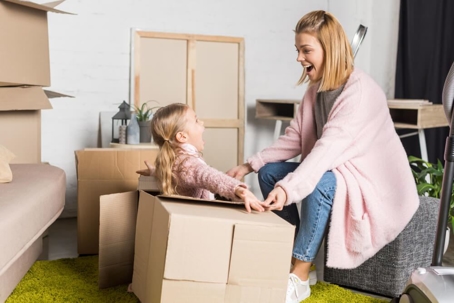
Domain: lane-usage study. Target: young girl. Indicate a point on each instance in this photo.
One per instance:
(179, 165)
(354, 173)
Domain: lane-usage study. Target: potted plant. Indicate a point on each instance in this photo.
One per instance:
(429, 179)
(144, 113)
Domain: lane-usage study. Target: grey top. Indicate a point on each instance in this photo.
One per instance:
(323, 105)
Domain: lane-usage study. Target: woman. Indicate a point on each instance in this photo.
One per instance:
(354, 175)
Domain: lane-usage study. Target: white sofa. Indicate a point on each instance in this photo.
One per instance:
(28, 206)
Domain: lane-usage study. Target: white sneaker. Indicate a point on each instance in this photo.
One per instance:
(297, 290)
(313, 275)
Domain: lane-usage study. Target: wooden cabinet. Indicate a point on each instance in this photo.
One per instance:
(205, 72)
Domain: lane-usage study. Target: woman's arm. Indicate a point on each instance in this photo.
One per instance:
(337, 145)
(288, 145)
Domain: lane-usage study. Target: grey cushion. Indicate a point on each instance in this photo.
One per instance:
(388, 271)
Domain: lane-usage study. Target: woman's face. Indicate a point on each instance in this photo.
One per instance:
(310, 55)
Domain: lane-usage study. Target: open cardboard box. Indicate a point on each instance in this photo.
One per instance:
(24, 46)
(191, 250)
(102, 171)
(20, 118)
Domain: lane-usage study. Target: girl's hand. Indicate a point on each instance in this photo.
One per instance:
(240, 171)
(276, 199)
(249, 199)
(147, 171)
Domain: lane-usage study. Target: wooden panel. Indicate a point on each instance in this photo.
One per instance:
(221, 148)
(205, 72)
(161, 71)
(216, 80)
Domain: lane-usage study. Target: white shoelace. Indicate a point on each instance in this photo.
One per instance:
(294, 287)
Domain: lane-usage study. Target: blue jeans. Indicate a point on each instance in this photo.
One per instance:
(315, 208)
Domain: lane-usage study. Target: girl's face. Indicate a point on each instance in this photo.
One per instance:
(310, 55)
(194, 130)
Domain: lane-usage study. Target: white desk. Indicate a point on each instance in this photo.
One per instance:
(414, 114)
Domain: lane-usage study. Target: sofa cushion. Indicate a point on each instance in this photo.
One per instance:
(28, 206)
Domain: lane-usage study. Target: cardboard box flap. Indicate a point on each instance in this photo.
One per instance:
(198, 249)
(150, 248)
(255, 245)
(149, 184)
(117, 229)
(51, 94)
(54, 3)
(178, 197)
(48, 7)
(23, 98)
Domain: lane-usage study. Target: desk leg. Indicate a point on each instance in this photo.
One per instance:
(422, 144)
(277, 129)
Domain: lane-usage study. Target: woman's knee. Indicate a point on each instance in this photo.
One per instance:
(271, 173)
(326, 188)
(267, 173)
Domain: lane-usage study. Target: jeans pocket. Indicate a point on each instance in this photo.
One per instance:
(358, 234)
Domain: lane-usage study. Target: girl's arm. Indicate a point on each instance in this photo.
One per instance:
(191, 172)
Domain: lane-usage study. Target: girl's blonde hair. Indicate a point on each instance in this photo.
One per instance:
(338, 55)
(165, 124)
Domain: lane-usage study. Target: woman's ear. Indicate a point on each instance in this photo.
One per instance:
(181, 137)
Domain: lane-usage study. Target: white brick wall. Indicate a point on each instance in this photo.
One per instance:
(89, 55)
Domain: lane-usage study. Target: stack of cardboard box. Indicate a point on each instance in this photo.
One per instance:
(24, 70)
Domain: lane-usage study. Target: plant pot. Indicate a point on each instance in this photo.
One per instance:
(145, 131)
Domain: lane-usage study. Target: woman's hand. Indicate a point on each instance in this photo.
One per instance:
(240, 171)
(249, 199)
(276, 199)
(147, 171)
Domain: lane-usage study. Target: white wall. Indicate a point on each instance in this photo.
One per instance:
(89, 55)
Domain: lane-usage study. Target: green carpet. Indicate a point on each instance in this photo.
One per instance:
(76, 280)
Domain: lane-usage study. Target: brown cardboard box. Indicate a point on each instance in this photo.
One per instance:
(20, 120)
(193, 251)
(24, 46)
(102, 171)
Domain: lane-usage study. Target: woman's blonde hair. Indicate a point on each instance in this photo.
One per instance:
(338, 55)
(165, 124)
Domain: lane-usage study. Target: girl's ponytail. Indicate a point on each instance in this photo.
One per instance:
(166, 123)
(164, 163)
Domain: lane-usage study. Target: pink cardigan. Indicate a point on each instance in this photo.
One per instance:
(194, 178)
(376, 195)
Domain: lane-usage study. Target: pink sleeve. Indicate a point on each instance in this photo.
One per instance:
(337, 144)
(194, 173)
